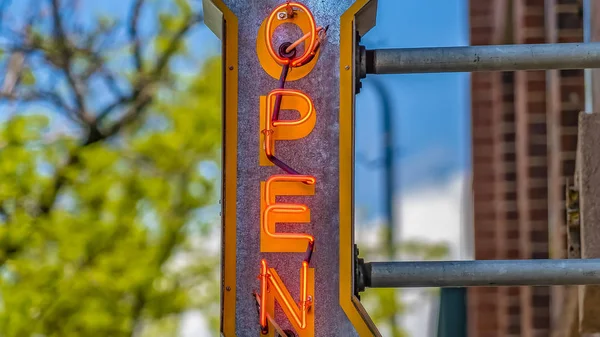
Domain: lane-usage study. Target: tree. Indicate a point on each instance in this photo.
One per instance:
(104, 224)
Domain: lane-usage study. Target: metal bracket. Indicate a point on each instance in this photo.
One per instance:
(360, 64)
(361, 273)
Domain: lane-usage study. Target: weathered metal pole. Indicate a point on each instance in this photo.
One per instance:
(483, 58)
(481, 273)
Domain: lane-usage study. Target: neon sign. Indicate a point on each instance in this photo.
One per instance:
(288, 246)
(299, 313)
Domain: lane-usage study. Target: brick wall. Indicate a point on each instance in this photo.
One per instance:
(508, 218)
(483, 309)
(523, 133)
(532, 177)
(565, 99)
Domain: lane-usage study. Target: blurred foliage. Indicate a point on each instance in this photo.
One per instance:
(386, 305)
(104, 227)
(123, 247)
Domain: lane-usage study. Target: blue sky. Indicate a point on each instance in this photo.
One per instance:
(431, 111)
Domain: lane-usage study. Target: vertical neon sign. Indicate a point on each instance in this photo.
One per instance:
(298, 147)
(300, 313)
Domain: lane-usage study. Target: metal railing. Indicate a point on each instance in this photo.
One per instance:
(491, 273)
(482, 58)
(488, 272)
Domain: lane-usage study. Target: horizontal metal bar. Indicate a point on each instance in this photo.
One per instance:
(483, 58)
(482, 273)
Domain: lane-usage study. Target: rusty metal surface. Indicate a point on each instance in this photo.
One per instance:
(572, 221)
(588, 157)
(317, 155)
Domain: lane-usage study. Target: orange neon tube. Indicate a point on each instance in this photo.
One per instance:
(285, 208)
(310, 180)
(268, 141)
(263, 293)
(298, 61)
(270, 124)
(289, 92)
(304, 289)
(300, 40)
(298, 314)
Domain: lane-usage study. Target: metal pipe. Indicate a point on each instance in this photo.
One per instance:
(483, 58)
(451, 274)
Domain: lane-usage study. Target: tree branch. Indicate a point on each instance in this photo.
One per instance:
(63, 44)
(143, 94)
(13, 72)
(111, 82)
(95, 135)
(140, 99)
(164, 59)
(111, 107)
(136, 110)
(133, 34)
(12, 77)
(137, 102)
(41, 96)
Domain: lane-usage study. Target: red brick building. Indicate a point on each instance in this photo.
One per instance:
(524, 132)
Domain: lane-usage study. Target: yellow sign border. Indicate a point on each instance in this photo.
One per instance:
(230, 104)
(348, 301)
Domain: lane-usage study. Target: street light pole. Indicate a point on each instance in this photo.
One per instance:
(389, 165)
(389, 181)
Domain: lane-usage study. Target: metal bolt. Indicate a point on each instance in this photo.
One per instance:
(282, 15)
(228, 288)
(347, 67)
(230, 67)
